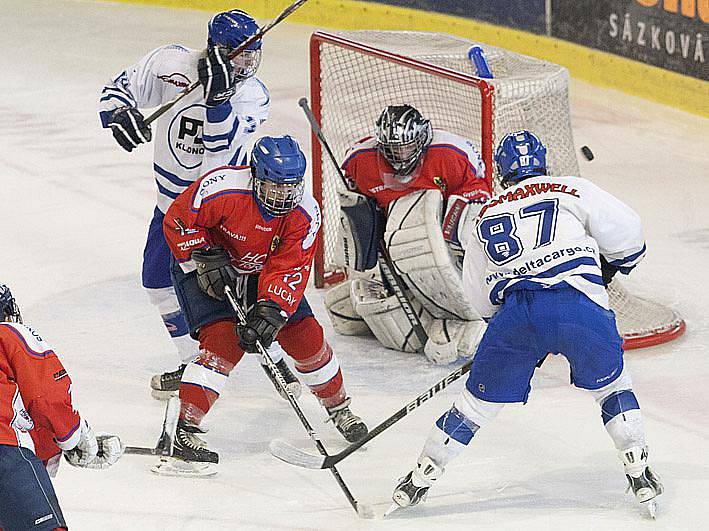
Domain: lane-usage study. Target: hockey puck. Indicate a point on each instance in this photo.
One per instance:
(587, 152)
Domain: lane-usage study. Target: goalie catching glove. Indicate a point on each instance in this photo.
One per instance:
(263, 323)
(129, 128)
(93, 451)
(214, 271)
(217, 76)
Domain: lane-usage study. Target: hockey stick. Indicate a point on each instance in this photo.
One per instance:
(387, 265)
(236, 51)
(361, 509)
(290, 454)
(164, 445)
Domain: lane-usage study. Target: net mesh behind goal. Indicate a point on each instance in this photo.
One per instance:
(355, 74)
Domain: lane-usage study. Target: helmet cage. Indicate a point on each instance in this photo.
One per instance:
(231, 29)
(278, 199)
(402, 137)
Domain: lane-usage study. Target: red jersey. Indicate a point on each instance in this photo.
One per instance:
(220, 209)
(450, 164)
(36, 409)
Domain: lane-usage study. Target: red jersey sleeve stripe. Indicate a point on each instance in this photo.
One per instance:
(219, 194)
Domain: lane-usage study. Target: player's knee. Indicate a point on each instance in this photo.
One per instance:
(476, 410)
(219, 343)
(617, 403)
(164, 299)
(303, 339)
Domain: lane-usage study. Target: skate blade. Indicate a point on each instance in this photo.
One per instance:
(392, 509)
(162, 395)
(170, 466)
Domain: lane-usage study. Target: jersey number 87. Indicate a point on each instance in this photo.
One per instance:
(498, 233)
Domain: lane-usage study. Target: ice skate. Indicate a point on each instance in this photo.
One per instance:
(642, 481)
(292, 383)
(347, 423)
(190, 455)
(166, 385)
(413, 488)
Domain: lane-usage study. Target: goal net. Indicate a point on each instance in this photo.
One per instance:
(355, 74)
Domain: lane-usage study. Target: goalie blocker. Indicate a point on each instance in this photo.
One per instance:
(428, 263)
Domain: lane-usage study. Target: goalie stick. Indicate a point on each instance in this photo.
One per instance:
(169, 424)
(243, 46)
(362, 510)
(294, 456)
(386, 264)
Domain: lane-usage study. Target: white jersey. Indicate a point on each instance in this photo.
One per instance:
(190, 139)
(545, 231)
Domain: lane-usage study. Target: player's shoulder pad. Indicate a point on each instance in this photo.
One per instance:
(447, 139)
(365, 145)
(175, 64)
(32, 342)
(309, 211)
(252, 91)
(222, 181)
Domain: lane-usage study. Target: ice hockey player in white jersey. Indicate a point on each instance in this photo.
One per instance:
(540, 256)
(206, 129)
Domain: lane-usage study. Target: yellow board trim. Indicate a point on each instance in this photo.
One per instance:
(596, 67)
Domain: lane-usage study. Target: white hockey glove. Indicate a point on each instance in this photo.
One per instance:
(94, 452)
(449, 339)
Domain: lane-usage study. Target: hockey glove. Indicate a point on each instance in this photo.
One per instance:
(129, 128)
(214, 271)
(263, 323)
(217, 76)
(608, 271)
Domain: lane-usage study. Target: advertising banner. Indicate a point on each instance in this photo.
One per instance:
(671, 34)
(525, 15)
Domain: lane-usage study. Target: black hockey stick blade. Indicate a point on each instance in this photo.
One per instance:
(167, 436)
(295, 456)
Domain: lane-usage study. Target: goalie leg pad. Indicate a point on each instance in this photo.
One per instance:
(415, 242)
(345, 320)
(385, 316)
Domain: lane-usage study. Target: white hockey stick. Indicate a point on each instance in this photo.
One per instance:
(243, 46)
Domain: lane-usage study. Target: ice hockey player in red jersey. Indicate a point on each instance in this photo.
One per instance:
(38, 423)
(254, 229)
(427, 182)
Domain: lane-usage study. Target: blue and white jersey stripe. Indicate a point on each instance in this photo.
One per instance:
(189, 139)
(546, 231)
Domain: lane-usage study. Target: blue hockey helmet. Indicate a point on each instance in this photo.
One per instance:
(8, 307)
(278, 166)
(229, 30)
(520, 155)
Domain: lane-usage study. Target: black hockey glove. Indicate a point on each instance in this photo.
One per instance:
(214, 271)
(129, 128)
(263, 323)
(217, 76)
(608, 271)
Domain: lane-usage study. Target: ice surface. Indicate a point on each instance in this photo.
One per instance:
(75, 209)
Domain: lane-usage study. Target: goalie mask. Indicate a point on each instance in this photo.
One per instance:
(230, 29)
(520, 155)
(9, 312)
(402, 137)
(277, 167)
